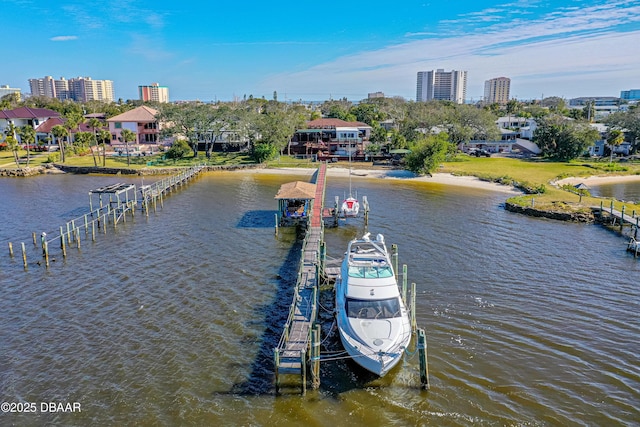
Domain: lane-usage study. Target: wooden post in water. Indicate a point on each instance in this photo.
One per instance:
(303, 371)
(104, 223)
(276, 217)
(422, 355)
(93, 231)
(78, 237)
(394, 257)
(24, 256)
(62, 244)
(404, 283)
(11, 249)
(45, 248)
(86, 224)
(413, 308)
(68, 234)
(276, 363)
(34, 239)
(315, 357)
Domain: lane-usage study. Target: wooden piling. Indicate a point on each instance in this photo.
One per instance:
(93, 231)
(77, 231)
(394, 257)
(413, 308)
(404, 283)
(24, 256)
(276, 216)
(34, 239)
(315, 357)
(62, 244)
(422, 355)
(46, 253)
(303, 372)
(276, 363)
(11, 249)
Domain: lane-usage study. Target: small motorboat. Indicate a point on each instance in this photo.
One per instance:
(350, 207)
(373, 320)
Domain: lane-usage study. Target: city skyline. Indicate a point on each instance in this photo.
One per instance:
(218, 52)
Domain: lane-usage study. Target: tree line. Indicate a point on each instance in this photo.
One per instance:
(432, 130)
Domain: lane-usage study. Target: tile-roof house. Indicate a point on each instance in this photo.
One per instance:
(33, 117)
(141, 120)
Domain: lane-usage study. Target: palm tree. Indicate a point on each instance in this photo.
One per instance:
(128, 136)
(94, 124)
(104, 136)
(59, 132)
(27, 136)
(614, 138)
(12, 141)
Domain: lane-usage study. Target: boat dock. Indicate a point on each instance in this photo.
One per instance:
(290, 356)
(110, 204)
(299, 344)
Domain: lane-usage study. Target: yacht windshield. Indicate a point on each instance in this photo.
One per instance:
(373, 309)
(370, 271)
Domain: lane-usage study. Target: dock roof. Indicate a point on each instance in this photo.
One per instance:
(297, 190)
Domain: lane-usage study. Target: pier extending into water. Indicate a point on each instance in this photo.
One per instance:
(298, 349)
(107, 205)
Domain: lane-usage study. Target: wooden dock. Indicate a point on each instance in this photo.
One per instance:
(114, 203)
(299, 342)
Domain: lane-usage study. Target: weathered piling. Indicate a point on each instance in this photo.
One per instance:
(422, 356)
(11, 249)
(24, 256)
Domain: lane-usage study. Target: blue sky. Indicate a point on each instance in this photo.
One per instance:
(215, 50)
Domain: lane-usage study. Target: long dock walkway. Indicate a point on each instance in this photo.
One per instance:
(292, 352)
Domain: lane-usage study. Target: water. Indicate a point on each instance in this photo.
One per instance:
(629, 191)
(172, 319)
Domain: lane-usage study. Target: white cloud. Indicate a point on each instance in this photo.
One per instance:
(63, 38)
(547, 54)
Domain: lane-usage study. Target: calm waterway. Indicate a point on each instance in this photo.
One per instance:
(172, 319)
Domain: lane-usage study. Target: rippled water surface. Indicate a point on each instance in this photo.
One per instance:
(172, 319)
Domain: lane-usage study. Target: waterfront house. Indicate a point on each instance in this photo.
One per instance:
(331, 139)
(142, 121)
(22, 116)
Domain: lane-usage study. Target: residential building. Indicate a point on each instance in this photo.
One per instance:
(81, 89)
(26, 116)
(6, 90)
(154, 93)
(142, 121)
(332, 138)
(496, 91)
(443, 85)
(603, 105)
(630, 95)
(373, 95)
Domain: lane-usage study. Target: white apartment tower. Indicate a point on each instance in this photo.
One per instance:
(80, 89)
(496, 91)
(155, 93)
(440, 84)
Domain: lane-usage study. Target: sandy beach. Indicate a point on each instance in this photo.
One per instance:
(597, 180)
(437, 178)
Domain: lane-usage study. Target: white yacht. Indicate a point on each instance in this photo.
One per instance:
(372, 318)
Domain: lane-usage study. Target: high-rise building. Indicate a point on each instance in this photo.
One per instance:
(632, 94)
(440, 84)
(80, 89)
(496, 91)
(6, 90)
(154, 93)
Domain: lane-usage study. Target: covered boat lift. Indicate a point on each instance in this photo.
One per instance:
(295, 201)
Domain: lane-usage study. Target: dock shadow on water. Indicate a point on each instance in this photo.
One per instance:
(258, 219)
(260, 380)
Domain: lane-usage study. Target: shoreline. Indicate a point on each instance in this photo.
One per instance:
(395, 174)
(598, 180)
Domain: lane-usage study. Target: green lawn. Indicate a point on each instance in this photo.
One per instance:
(536, 173)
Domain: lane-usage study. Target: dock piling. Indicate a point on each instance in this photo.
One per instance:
(422, 355)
